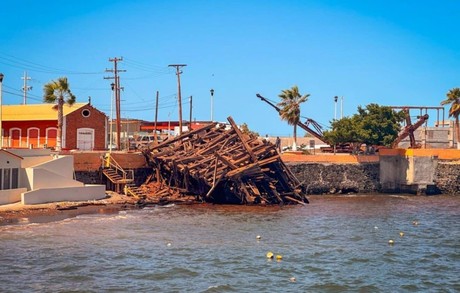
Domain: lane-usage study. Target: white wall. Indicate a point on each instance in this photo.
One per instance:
(8, 196)
(46, 195)
(63, 166)
(42, 178)
(9, 161)
(33, 161)
(30, 152)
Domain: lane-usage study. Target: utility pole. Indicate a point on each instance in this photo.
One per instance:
(190, 123)
(156, 118)
(25, 88)
(112, 86)
(178, 73)
(116, 77)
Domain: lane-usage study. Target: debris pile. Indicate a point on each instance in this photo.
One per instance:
(221, 165)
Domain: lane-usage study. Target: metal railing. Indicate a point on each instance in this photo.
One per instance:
(109, 162)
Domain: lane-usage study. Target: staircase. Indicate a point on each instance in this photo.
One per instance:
(132, 190)
(121, 179)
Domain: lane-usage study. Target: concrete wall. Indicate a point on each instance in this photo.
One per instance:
(411, 171)
(337, 178)
(83, 193)
(30, 152)
(447, 177)
(11, 195)
(393, 172)
(33, 161)
(42, 178)
(63, 165)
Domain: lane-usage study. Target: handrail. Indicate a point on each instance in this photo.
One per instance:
(112, 163)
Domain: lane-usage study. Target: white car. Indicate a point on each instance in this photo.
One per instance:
(143, 141)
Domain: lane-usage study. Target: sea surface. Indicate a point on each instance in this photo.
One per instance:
(334, 244)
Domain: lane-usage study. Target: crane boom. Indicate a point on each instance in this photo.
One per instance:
(305, 127)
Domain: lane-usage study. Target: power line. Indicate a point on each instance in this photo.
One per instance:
(35, 67)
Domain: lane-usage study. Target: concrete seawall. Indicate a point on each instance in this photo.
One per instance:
(393, 171)
(448, 178)
(324, 178)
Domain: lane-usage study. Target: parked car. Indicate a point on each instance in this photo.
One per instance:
(143, 141)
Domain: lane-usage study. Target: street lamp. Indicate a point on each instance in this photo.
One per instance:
(212, 106)
(335, 107)
(1, 106)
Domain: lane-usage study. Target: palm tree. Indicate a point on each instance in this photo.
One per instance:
(453, 98)
(290, 108)
(58, 93)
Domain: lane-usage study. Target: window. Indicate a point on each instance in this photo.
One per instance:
(15, 178)
(85, 113)
(6, 178)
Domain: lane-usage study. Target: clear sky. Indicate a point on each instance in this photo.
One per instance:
(387, 52)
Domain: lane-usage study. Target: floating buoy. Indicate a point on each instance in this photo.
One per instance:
(279, 257)
(292, 279)
(269, 254)
(391, 242)
(258, 237)
(401, 234)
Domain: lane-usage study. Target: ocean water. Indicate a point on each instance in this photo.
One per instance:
(335, 244)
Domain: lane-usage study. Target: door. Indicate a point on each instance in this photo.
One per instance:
(85, 139)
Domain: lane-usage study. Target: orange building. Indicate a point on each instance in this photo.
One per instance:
(35, 126)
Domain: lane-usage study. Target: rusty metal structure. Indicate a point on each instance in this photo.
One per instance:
(409, 130)
(221, 165)
(316, 132)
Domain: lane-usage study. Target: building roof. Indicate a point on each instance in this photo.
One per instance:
(34, 112)
(2, 151)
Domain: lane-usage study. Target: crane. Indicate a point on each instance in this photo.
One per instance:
(317, 132)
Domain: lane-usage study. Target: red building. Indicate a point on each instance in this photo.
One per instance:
(35, 126)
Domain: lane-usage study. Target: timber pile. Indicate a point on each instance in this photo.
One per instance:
(224, 166)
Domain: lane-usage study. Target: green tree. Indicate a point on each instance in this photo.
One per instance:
(373, 125)
(344, 131)
(290, 107)
(379, 125)
(245, 129)
(453, 98)
(58, 93)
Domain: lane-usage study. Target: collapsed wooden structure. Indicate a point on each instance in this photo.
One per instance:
(222, 165)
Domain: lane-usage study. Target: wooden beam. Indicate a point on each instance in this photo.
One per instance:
(243, 140)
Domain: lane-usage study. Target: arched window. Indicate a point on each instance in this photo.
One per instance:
(33, 137)
(51, 134)
(15, 138)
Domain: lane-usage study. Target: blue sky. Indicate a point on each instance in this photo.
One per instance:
(386, 52)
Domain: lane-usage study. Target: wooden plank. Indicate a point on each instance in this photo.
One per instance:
(243, 140)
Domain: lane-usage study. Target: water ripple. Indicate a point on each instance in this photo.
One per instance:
(336, 244)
